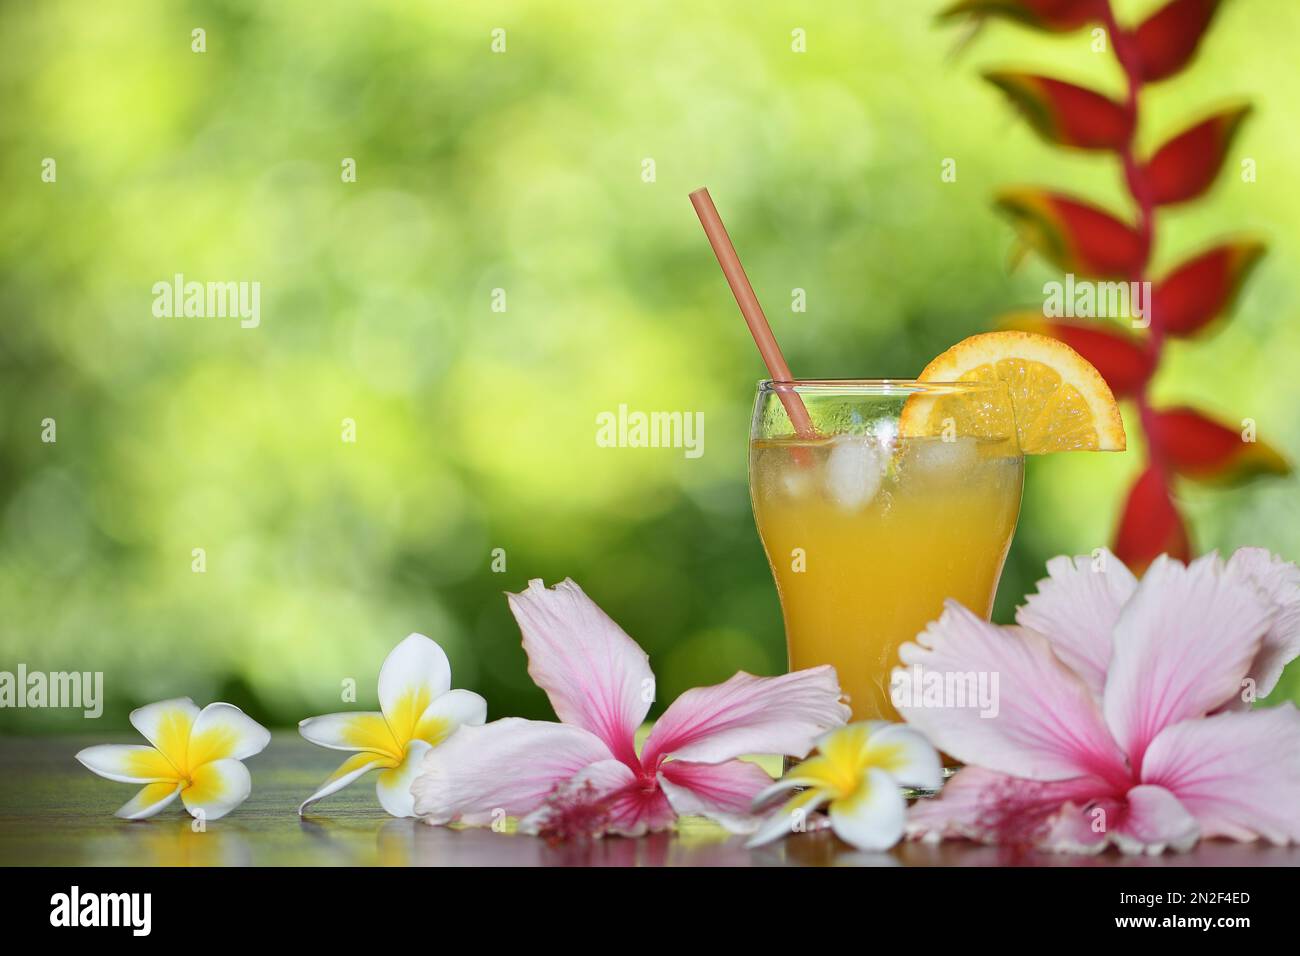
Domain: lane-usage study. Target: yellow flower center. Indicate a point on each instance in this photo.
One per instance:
(841, 765)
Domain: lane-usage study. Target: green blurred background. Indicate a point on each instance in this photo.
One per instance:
(522, 171)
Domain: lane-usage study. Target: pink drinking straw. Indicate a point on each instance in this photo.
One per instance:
(752, 311)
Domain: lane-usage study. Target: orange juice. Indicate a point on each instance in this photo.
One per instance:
(868, 536)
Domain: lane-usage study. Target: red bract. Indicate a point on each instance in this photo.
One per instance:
(1076, 236)
(1167, 40)
(1124, 361)
(1150, 524)
(1092, 243)
(1186, 166)
(1196, 447)
(1066, 114)
(1203, 288)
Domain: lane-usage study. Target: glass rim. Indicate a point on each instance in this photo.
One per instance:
(875, 386)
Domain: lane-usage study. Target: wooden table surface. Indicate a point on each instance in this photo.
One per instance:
(54, 812)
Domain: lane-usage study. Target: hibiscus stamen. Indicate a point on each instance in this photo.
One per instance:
(573, 813)
(1014, 814)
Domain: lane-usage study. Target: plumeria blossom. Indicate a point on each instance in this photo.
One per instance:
(418, 710)
(194, 754)
(1122, 717)
(857, 773)
(587, 766)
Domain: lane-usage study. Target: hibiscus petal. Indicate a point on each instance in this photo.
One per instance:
(166, 725)
(394, 786)
(127, 763)
(1154, 820)
(596, 676)
(356, 731)
(1080, 827)
(1238, 774)
(216, 788)
(605, 797)
(748, 715)
(151, 799)
(223, 730)
(1183, 643)
(1076, 607)
(636, 811)
(872, 817)
(990, 807)
(444, 715)
(790, 818)
(415, 673)
(958, 811)
(1147, 819)
(1047, 725)
(723, 792)
(1279, 580)
(352, 768)
(508, 766)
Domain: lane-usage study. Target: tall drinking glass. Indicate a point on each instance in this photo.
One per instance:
(907, 495)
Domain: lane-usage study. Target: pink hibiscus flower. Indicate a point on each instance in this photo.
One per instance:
(1124, 709)
(587, 767)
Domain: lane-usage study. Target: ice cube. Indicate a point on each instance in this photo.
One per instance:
(939, 455)
(796, 480)
(854, 470)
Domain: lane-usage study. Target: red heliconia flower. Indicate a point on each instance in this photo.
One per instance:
(1203, 288)
(1197, 447)
(1091, 243)
(1057, 16)
(1186, 166)
(1124, 360)
(1076, 236)
(1167, 40)
(1150, 525)
(1066, 114)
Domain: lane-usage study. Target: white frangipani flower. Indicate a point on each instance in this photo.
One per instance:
(194, 753)
(858, 774)
(419, 711)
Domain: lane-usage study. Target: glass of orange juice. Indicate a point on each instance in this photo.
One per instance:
(906, 495)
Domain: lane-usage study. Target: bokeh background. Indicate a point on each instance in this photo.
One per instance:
(523, 171)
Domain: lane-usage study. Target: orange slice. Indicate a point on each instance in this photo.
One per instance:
(1060, 401)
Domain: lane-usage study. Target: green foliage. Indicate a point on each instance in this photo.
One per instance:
(475, 429)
